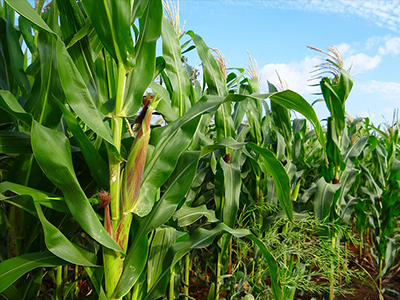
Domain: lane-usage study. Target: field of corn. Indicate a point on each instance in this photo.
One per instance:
(124, 175)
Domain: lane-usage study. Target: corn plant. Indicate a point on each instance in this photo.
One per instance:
(91, 182)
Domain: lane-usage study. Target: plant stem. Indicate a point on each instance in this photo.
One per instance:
(217, 279)
(59, 273)
(171, 285)
(113, 261)
(135, 292)
(187, 268)
(259, 200)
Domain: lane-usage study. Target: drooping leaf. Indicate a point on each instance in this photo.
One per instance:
(46, 199)
(59, 245)
(292, 100)
(52, 151)
(226, 143)
(13, 268)
(11, 105)
(281, 178)
(188, 215)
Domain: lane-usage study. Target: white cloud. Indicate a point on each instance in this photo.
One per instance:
(382, 13)
(392, 45)
(295, 74)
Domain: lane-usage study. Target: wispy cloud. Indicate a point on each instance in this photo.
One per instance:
(390, 90)
(382, 13)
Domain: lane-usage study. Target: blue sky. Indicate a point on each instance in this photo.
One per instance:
(277, 34)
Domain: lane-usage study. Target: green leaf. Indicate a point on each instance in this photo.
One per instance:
(13, 268)
(132, 267)
(24, 8)
(25, 27)
(96, 276)
(98, 167)
(41, 104)
(324, 198)
(16, 57)
(281, 178)
(177, 73)
(232, 186)
(78, 96)
(52, 152)
(143, 73)
(112, 22)
(272, 266)
(225, 143)
(213, 76)
(356, 149)
(164, 104)
(46, 199)
(223, 122)
(202, 238)
(15, 142)
(83, 32)
(162, 240)
(60, 246)
(188, 215)
(11, 105)
(11, 293)
(292, 100)
(176, 188)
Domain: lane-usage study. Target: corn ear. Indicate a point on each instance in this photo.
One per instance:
(133, 173)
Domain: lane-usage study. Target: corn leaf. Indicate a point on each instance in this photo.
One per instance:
(78, 95)
(143, 73)
(24, 8)
(281, 178)
(98, 167)
(13, 268)
(112, 22)
(52, 152)
(16, 58)
(177, 73)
